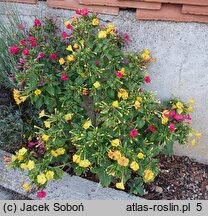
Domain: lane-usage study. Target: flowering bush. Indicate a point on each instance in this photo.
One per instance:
(119, 134)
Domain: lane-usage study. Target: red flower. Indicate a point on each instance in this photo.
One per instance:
(134, 133)
(171, 127)
(179, 117)
(147, 79)
(64, 77)
(53, 56)
(126, 36)
(40, 55)
(14, 50)
(97, 63)
(32, 39)
(37, 22)
(69, 27)
(188, 117)
(22, 42)
(20, 26)
(152, 128)
(41, 194)
(64, 35)
(172, 113)
(25, 52)
(83, 12)
(118, 74)
(33, 44)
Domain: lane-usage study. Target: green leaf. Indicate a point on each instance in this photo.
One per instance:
(168, 149)
(58, 173)
(140, 123)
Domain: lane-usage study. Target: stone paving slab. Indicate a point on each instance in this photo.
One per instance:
(68, 188)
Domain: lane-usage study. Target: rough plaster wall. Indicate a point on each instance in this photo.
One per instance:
(181, 69)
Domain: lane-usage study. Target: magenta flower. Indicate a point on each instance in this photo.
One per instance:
(40, 55)
(172, 113)
(188, 117)
(179, 117)
(83, 12)
(171, 127)
(97, 63)
(118, 74)
(14, 50)
(53, 56)
(147, 79)
(64, 77)
(69, 27)
(22, 42)
(25, 52)
(37, 22)
(134, 133)
(152, 128)
(20, 26)
(126, 36)
(41, 194)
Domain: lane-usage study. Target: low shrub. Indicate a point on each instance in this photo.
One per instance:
(124, 128)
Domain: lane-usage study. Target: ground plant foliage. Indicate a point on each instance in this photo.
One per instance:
(119, 137)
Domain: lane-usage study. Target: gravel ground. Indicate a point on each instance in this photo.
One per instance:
(180, 179)
(6, 194)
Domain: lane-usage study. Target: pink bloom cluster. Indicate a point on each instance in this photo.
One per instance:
(83, 12)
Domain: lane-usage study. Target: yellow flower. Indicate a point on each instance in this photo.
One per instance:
(123, 94)
(115, 155)
(198, 135)
(18, 98)
(22, 151)
(115, 142)
(66, 23)
(70, 58)
(96, 84)
(139, 99)
(47, 124)
(69, 48)
(122, 71)
(26, 186)
(190, 109)
(41, 179)
(76, 158)
(193, 142)
(23, 98)
(191, 101)
(110, 29)
(87, 124)
(49, 175)
(102, 34)
(146, 54)
(137, 104)
(23, 166)
(148, 175)
(74, 19)
(134, 166)
(14, 158)
(60, 151)
(84, 163)
(68, 117)
(115, 104)
(19, 157)
(83, 75)
(123, 161)
(42, 114)
(140, 155)
(61, 61)
(45, 137)
(120, 185)
(180, 107)
(31, 165)
(95, 22)
(54, 153)
(37, 92)
(76, 46)
(164, 120)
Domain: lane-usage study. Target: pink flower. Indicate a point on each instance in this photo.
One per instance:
(25, 52)
(31, 144)
(14, 50)
(32, 39)
(64, 77)
(69, 27)
(37, 22)
(97, 63)
(172, 113)
(20, 26)
(126, 36)
(188, 117)
(22, 42)
(134, 133)
(152, 128)
(147, 79)
(41, 194)
(118, 74)
(53, 56)
(78, 12)
(40, 55)
(83, 12)
(41, 83)
(171, 127)
(33, 44)
(64, 35)
(179, 117)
